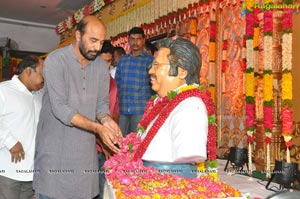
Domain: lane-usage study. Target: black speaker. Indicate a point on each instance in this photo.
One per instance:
(237, 158)
(284, 174)
(285, 195)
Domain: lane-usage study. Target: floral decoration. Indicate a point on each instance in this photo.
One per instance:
(131, 180)
(88, 9)
(287, 94)
(249, 84)
(268, 83)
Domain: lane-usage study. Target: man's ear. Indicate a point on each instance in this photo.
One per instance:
(182, 73)
(77, 35)
(28, 71)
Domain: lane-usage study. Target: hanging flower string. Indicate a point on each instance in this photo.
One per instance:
(88, 9)
(212, 50)
(287, 94)
(250, 80)
(268, 83)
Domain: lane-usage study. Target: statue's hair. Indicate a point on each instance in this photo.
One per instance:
(183, 54)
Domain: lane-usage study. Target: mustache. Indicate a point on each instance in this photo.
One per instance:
(152, 76)
(94, 51)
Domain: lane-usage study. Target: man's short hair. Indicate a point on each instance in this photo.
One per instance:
(119, 50)
(29, 61)
(107, 47)
(136, 30)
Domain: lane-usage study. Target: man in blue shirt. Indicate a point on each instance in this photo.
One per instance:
(133, 81)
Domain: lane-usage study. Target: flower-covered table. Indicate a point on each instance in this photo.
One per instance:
(131, 180)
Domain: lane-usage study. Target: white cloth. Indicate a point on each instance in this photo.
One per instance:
(112, 71)
(19, 113)
(183, 136)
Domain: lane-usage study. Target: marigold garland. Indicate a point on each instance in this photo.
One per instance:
(287, 94)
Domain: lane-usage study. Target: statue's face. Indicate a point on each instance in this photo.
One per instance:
(161, 82)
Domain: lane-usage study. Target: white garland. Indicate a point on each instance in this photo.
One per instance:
(267, 52)
(249, 49)
(287, 51)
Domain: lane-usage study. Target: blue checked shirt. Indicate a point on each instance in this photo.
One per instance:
(133, 82)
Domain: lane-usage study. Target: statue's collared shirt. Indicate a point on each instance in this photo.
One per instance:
(183, 136)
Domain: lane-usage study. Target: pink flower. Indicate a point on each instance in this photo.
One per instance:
(268, 21)
(268, 117)
(287, 19)
(213, 31)
(249, 115)
(287, 120)
(249, 25)
(125, 181)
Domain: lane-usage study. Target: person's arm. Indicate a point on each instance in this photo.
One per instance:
(7, 140)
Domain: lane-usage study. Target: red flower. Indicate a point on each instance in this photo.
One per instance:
(287, 19)
(250, 139)
(224, 66)
(225, 45)
(268, 21)
(213, 31)
(268, 140)
(249, 25)
(288, 143)
(244, 65)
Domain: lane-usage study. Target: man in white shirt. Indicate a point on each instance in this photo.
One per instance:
(174, 127)
(19, 112)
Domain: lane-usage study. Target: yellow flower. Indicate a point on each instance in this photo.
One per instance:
(287, 138)
(268, 87)
(255, 37)
(201, 166)
(250, 4)
(268, 1)
(212, 51)
(287, 86)
(188, 87)
(250, 79)
(214, 175)
(156, 196)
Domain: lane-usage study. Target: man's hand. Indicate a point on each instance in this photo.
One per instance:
(17, 153)
(109, 133)
(110, 123)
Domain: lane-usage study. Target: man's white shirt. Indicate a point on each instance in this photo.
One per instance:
(19, 114)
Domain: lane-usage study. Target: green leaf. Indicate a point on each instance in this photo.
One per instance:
(211, 119)
(130, 145)
(249, 99)
(171, 95)
(250, 128)
(212, 164)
